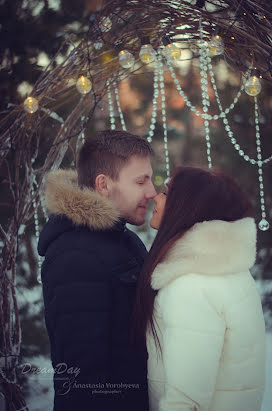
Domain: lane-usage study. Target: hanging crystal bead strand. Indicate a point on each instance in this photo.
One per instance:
(123, 124)
(163, 111)
(224, 117)
(82, 134)
(263, 224)
(205, 95)
(43, 207)
(111, 110)
(189, 103)
(37, 232)
(154, 102)
(236, 98)
(225, 120)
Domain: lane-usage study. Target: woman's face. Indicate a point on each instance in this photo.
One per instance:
(160, 200)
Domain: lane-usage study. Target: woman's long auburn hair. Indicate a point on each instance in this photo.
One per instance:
(194, 195)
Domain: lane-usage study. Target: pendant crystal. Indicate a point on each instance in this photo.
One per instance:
(263, 225)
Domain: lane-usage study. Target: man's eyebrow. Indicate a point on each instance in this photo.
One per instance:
(143, 176)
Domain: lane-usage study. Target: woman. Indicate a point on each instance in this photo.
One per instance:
(197, 302)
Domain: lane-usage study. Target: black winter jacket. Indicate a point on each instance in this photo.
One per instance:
(89, 275)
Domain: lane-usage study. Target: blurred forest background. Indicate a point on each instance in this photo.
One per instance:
(31, 33)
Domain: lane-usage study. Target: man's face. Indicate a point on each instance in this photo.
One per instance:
(133, 189)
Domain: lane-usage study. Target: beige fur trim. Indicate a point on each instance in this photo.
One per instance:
(210, 248)
(63, 196)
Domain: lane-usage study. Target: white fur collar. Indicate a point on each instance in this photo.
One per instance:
(63, 196)
(210, 248)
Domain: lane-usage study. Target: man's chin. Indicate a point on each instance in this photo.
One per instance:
(136, 221)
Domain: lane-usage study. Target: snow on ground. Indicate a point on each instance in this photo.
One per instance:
(40, 382)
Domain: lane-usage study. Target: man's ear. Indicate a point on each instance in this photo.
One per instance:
(103, 184)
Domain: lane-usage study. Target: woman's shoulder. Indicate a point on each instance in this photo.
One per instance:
(219, 294)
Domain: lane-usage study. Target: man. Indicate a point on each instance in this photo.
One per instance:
(90, 272)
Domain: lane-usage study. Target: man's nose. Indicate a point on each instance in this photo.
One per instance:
(151, 192)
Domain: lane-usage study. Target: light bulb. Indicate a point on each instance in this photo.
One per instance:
(84, 85)
(253, 86)
(31, 105)
(126, 59)
(147, 54)
(105, 24)
(216, 46)
(171, 52)
(158, 181)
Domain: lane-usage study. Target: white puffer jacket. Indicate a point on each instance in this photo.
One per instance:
(210, 320)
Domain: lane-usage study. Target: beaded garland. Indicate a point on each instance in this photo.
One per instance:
(205, 69)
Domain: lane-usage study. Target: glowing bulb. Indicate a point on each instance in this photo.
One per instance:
(216, 46)
(171, 52)
(253, 86)
(126, 59)
(107, 57)
(105, 24)
(84, 85)
(158, 181)
(147, 54)
(31, 105)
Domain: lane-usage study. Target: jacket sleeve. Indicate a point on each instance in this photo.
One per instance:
(192, 342)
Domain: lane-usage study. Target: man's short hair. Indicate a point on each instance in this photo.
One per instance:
(106, 153)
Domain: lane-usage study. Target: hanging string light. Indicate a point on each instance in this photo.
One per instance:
(31, 105)
(253, 85)
(147, 53)
(83, 85)
(126, 59)
(216, 46)
(170, 51)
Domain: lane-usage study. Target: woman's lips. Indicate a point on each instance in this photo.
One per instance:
(154, 211)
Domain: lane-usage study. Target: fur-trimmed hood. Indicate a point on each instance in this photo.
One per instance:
(87, 207)
(210, 248)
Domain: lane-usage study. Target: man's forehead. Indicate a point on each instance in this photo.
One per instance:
(140, 166)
